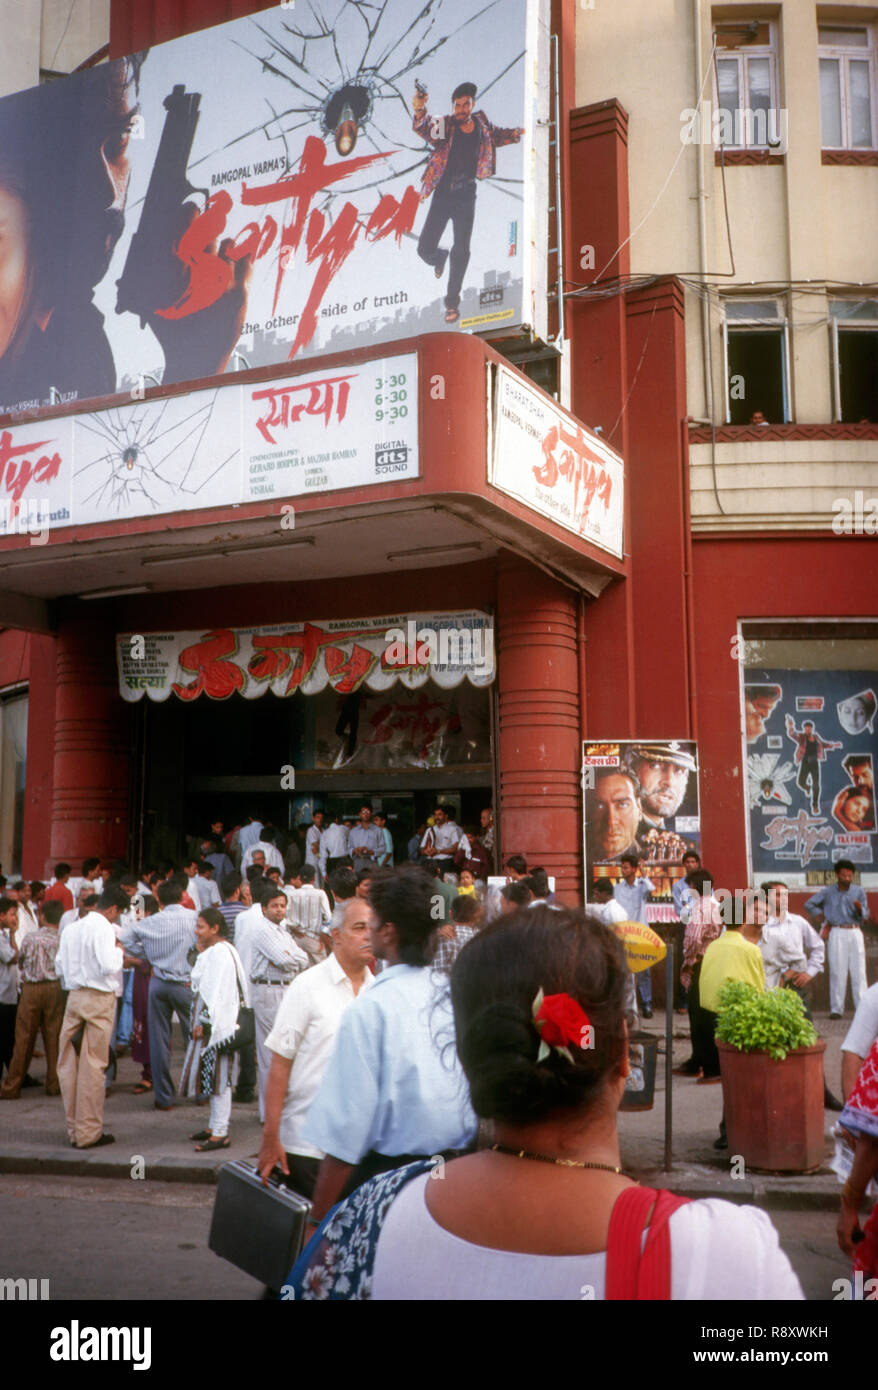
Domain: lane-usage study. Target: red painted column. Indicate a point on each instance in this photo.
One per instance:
(90, 801)
(540, 797)
(659, 511)
(598, 222)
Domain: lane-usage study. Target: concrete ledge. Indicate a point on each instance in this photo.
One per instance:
(76, 1164)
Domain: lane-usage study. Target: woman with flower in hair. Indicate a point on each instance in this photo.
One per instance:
(547, 1211)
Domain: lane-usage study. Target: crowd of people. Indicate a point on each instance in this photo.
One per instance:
(485, 1011)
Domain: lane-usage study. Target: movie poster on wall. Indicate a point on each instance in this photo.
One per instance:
(811, 754)
(640, 796)
(309, 179)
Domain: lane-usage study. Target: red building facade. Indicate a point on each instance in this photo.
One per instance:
(588, 647)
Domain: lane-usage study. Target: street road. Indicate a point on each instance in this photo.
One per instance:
(108, 1239)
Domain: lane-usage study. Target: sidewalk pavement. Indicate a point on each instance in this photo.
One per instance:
(155, 1145)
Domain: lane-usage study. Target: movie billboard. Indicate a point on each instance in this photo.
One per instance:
(309, 179)
(640, 796)
(811, 754)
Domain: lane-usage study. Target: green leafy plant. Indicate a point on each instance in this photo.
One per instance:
(771, 1021)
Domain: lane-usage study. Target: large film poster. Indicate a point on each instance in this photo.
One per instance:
(310, 179)
(641, 797)
(811, 754)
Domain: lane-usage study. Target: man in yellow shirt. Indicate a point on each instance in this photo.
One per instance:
(730, 957)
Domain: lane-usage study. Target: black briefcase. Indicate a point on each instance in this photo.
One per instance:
(259, 1229)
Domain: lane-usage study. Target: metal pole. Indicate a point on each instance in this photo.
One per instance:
(669, 1056)
(559, 216)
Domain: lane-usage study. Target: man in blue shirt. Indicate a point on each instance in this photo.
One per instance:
(837, 911)
(632, 894)
(394, 1089)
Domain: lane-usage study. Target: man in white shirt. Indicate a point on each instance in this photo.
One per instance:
(271, 958)
(89, 964)
(443, 839)
(207, 890)
(334, 846)
(248, 835)
(86, 891)
(91, 873)
(27, 917)
(302, 1041)
(792, 951)
(308, 914)
(262, 852)
(315, 855)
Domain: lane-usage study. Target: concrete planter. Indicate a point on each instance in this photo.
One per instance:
(774, 1110)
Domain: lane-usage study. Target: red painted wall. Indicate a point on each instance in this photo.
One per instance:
(744, 577)
(136, 24)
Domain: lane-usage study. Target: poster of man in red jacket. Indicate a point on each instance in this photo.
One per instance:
(464, 151)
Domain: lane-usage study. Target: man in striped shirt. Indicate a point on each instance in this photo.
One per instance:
(165, 940)
(233, 903)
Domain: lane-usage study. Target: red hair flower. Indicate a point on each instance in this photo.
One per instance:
(559, 1020)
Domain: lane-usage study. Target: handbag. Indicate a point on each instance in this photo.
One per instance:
(244, 1035)
(258, 1228)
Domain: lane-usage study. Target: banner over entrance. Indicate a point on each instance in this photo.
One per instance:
(446, 648)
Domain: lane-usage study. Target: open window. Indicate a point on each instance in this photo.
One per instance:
(854, 328)
(756, 350)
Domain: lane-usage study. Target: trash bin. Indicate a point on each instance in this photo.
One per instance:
(639, 1093)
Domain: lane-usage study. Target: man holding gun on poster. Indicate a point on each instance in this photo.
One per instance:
(69, 168)
(464, 150)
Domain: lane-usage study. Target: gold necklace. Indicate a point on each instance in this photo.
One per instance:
(547, 1158)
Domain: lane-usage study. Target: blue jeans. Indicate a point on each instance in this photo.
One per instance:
(166, 998)
(459, 208)
(644, 987)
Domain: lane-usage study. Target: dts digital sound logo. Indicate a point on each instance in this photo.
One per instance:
(392, 457)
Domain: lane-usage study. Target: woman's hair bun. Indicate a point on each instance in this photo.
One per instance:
(494, 982)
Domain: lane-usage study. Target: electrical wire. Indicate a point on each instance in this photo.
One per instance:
(63, 35)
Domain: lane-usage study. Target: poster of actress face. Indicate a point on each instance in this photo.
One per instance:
(309, 179)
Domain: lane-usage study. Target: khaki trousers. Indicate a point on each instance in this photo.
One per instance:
(82, 1077)
(39, 1008)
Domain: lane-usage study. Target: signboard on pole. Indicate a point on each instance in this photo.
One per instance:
(546, 459)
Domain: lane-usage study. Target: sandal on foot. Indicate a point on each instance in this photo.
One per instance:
(141, 1088)
(202, 1134)
(210, 1144)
